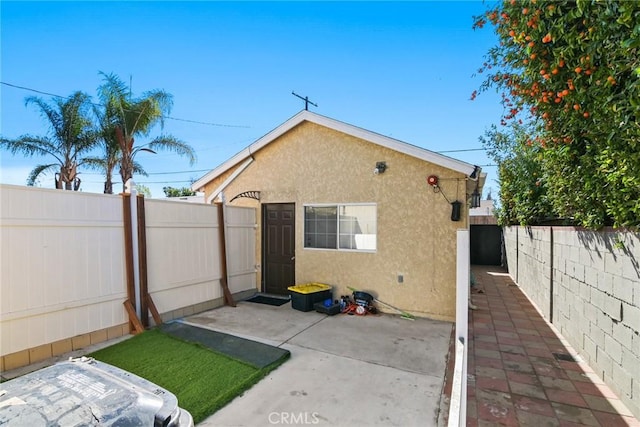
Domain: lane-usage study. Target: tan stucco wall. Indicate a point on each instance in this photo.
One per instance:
(415, 235)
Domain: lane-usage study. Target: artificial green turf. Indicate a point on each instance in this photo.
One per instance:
(202, 380)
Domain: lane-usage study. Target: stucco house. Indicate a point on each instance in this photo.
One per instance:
(341, 205)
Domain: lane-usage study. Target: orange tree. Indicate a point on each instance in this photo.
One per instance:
(571, 69)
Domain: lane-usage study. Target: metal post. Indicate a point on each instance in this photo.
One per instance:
(131, 188)
(305, 99)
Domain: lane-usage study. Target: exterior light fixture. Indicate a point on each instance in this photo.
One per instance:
(475, 198)
(380, 168)
(474, 174)
(455, 210)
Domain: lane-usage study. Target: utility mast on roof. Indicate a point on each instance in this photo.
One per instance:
(306, 101)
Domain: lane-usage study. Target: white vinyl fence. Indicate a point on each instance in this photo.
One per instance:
(62, 261)
(183, 252)
(62, 268)
(458, 404)
(241, 247)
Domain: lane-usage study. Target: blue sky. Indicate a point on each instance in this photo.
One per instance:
(403, 70)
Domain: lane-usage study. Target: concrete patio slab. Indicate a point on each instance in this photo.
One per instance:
(265, 323)
(343, 370)
(418, 346)
(317, 388)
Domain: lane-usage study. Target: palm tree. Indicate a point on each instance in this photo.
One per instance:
(106, 122)
(71, 136)
(124, 118)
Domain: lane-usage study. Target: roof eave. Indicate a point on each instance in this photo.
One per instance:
(376, 138)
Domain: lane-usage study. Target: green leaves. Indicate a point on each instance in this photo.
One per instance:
(178, 192)
(77, 127)
(522, 183)
(124, 118)
(71, 137)
(575, 77)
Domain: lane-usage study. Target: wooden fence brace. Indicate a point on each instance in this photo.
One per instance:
(134, 322)
(142, 262)
(128, 255)
(154, 311)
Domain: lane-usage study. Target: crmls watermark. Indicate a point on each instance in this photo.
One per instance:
(291, 418)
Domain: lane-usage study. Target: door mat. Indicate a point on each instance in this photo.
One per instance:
(262, 299)
(254, 353)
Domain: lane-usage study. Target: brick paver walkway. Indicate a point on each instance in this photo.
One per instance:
(516, 372)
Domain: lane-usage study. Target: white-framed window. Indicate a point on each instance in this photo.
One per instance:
(345, 226)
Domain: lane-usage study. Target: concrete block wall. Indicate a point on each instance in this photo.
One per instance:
(510, 236)
(534, 266)
(587, 283)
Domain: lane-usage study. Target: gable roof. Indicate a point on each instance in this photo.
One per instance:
(375, 138)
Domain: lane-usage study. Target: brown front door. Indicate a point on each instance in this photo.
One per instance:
(278, 247)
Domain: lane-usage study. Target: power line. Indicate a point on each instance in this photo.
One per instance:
(169, 173)
(100, 105)
(164, 182)
(156, 173)
(140, 182)
(464, 150)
